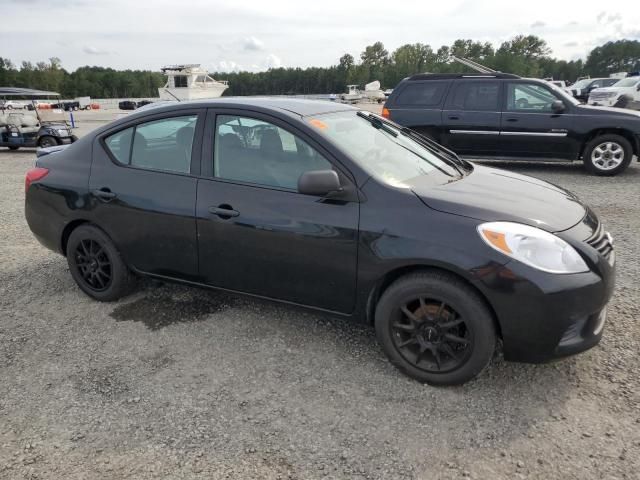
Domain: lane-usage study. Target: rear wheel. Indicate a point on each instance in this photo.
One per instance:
(435, 328)
(607, 155)
(96, 266)
(13, 147)
(47, 141)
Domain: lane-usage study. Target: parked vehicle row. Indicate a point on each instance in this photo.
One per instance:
(131, 105)
(340, 210)
(503, 116)
(623, 94)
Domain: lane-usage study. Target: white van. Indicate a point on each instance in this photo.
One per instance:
(620, 94)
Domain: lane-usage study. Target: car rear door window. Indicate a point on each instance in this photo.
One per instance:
(255, 151)
(422, 93)
(476, 96)
(164, 144)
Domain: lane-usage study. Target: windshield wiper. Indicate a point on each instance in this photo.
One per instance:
(377, 123)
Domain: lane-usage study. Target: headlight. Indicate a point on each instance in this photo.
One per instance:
(532, 246)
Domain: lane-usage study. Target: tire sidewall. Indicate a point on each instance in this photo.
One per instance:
(468, 305)
(623, 142)
(120, 274)
(45, 138)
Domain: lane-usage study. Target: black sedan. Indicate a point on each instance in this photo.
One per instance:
(328, 207)
(127, 105)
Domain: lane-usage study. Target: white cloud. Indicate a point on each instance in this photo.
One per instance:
(94, 51)
(253, 44)
(538, 24)
(272, 61)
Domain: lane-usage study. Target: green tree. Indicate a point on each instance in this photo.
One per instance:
(619, 56)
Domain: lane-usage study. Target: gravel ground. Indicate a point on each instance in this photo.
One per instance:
(176, 382)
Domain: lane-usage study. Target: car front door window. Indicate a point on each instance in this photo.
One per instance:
(254, 151)
(523, 97)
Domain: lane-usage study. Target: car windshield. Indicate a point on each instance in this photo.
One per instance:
(627, 82)
(390, 153)
(582, 83)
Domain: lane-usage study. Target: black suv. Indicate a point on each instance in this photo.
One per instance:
(582, 88)
(503, 116)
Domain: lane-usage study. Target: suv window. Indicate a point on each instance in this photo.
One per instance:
(529, 97)
(159, 145)
(255, 151)
(478, 96)
(422, 93)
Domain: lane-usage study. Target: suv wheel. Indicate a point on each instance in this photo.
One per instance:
(607, 155)
(435, 328)
(96, 266)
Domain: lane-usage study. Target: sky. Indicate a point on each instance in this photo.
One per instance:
(256, 35)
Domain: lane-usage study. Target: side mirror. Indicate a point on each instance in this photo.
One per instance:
(319, 182)
(557, 106)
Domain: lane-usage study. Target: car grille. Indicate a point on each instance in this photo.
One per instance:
(600, 95)
(602, 242)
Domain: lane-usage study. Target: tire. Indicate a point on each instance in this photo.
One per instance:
(9, 107)
(451, 337)
(96, 265)
(607, 155)
(47, 141)
(13, 147)
(623, 101)
(88, 107)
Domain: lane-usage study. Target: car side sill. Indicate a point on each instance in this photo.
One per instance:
(238, 292)
(481, 158)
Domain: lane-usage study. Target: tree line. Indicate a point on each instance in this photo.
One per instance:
(525, 55)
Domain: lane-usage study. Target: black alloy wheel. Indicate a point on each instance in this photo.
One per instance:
(436, 328)
(94, 265)
(431, 335)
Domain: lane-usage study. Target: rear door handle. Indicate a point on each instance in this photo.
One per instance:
(512, 119)
(224, 211)
(104, 194)
(454, 117)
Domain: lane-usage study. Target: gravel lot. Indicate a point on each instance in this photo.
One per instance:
(176, 382)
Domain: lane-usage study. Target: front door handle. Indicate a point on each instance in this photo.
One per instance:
(454, 117)
(224, 211)
(512, 119)
(104, 194)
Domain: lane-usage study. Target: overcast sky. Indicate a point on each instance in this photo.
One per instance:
(256, 35)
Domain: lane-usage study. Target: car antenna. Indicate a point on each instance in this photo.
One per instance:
(167, 91)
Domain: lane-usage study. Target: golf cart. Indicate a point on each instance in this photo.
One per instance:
(33, 128)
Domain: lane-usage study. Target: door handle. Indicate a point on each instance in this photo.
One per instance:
(104, 194)
(454, 117)
(512, 119)
(224, 211)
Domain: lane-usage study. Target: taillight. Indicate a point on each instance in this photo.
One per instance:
(33, 175)
(386, 113)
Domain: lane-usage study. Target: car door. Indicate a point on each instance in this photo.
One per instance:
(530, 128)
(143, 187)
(256, 233)
(471, 117)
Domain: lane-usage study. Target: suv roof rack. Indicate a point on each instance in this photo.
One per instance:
(448, 76)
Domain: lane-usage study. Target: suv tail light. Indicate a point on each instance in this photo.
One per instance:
(386, 113)
(33, 175)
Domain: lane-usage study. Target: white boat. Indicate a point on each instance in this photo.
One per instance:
(190, 82)
(353, 94)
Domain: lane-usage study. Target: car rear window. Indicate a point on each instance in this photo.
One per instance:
(422, 93)
(476, 96)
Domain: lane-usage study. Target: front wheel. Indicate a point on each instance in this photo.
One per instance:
(607, 155)
(47, 141)
(13, 147)
(435, 328)
(96, 266)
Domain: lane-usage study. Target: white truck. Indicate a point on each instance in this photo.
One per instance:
(624, 94)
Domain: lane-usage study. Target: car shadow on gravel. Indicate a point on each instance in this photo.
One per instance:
(161, 307)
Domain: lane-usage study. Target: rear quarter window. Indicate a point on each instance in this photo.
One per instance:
(428, 93)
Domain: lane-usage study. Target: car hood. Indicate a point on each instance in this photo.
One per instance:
(490, 194)
(624, 113)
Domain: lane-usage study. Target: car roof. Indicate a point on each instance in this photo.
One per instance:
(296, 106)
(449, 76)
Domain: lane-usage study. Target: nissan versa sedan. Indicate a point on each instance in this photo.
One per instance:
(336, 209)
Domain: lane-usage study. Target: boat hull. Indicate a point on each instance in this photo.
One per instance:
(192, 93)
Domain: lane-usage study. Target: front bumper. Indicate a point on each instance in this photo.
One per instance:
(545, 316)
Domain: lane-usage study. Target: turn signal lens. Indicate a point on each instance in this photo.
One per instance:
(33, 175)
(532, 246)
(386, 113)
